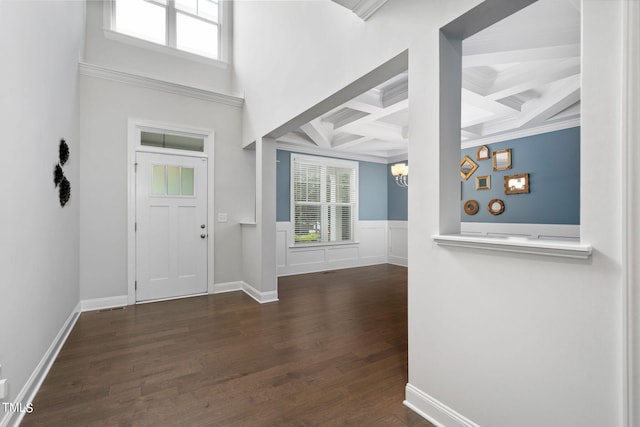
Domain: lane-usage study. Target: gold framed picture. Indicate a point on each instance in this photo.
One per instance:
(483, 182)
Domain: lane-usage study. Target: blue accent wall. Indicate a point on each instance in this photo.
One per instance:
(372, 183)
(397, 202)
(552, 161)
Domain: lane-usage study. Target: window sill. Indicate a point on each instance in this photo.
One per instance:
(145, 44)
(320, 245)
(523, 245)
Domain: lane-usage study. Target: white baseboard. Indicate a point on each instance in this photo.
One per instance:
(261, 297)
(31, 387)
(220, 288)
(396, 260)
(103, 303)
(431, 409)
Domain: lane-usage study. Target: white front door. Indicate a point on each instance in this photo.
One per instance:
(171, 226)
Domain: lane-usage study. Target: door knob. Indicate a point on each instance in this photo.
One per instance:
(202, 226)
(203, 236)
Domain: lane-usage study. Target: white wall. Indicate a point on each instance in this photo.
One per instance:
(106, 107)
(297, 51)
(501, 339)
(40, 43)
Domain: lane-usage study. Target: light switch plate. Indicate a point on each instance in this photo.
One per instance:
(222, 217)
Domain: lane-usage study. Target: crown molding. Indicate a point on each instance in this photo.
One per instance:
(286, 146)
(105, 73)
(521, 133)
(363, 8)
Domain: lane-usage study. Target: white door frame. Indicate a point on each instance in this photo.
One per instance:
(135, 127)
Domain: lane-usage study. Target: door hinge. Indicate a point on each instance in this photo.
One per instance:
(135, 167)
(135, 227)
(135, 284)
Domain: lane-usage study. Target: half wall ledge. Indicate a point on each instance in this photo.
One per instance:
(522, 245)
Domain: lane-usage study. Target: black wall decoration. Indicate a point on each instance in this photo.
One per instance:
(64, 190)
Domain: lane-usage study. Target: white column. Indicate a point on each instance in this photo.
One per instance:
(631, 93)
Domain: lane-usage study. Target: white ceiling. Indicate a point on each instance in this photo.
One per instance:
(521, 76)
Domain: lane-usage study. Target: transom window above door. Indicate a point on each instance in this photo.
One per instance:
(193, 26)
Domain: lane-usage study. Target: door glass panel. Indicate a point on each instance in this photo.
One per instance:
(187, 181)
(173, 180)
(158, 182)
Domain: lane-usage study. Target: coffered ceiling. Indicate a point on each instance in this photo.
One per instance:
(519, 77)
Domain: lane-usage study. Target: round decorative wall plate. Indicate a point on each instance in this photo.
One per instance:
(471, 207)
(495, 207)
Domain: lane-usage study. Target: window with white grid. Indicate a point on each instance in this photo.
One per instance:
(324, 194)
(192, 26)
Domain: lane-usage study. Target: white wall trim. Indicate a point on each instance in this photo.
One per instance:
(31, 387)
(521, 245)
(370, 249)
(630, 214)
(105, 73)
(538, 231)
(220, 288)
(135, 126)
(398, 247)
(436, 412)
(521, 133)
(103, 303)
(294, 148)
(261, 297)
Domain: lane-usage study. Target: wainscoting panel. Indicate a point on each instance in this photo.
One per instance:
(342, 253)
(369, 249)
(398, 243)
(304, 256)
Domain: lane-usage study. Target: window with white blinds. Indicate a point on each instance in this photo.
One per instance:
(324, 199)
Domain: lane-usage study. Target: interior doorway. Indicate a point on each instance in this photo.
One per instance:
(171, 226)
(170, 200)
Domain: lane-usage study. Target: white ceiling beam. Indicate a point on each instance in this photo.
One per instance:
(352, 143)
(395, 93)
(556, 98)
(318, 133)
(569, 113)
(479, 101)
(362, 106)
(354, 125)
(368, 102)
(378, 146)
(478, 79)
(525, 77)
(523, 55)
(294, 138)
(465, 134)
(378, 130)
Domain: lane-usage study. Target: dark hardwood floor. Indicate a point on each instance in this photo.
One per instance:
(331, 352)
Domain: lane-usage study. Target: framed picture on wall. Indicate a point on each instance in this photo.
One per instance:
(483, 153)
(483, 182)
